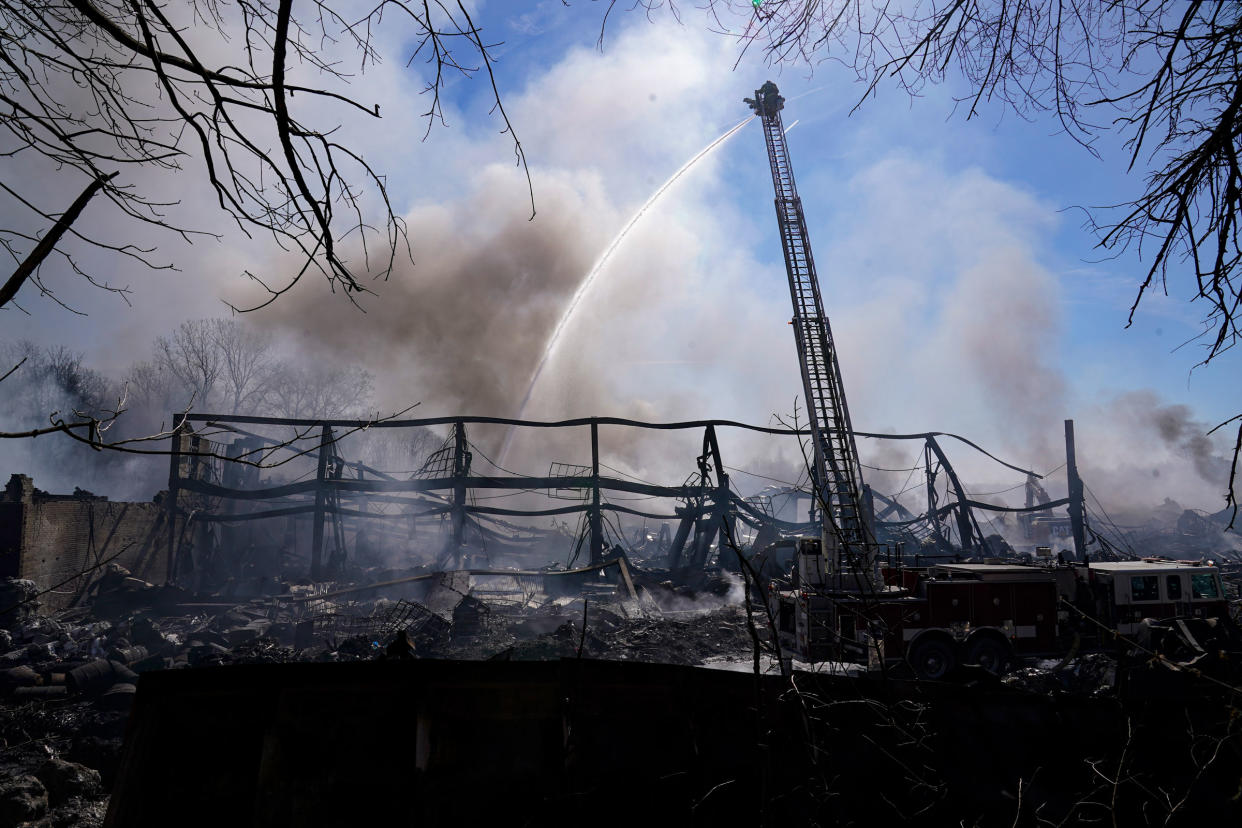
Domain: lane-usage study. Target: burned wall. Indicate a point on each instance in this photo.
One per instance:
(62, 542)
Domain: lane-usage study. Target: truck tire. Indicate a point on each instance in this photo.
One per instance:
(988, 652)
(933, 659)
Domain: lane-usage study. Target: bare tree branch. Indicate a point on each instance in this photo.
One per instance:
(49, 241)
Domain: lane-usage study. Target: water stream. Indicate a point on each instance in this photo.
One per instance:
(587, 281)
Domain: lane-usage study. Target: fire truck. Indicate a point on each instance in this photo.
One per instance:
(840, 603)
(984, 614)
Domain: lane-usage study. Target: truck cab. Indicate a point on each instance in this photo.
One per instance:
(1121, 594)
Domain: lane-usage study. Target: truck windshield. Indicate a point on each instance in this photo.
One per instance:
(1173, 585)
(1204, 585)
(1145, 588)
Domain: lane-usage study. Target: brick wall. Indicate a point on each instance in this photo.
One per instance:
(51, 540)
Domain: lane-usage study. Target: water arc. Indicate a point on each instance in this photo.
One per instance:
(587, 281)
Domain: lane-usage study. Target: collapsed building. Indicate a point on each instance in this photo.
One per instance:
(224, 576)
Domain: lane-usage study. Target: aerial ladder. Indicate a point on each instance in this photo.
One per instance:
(846, 543)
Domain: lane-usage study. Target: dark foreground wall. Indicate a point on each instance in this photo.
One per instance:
(438, 743)
(615, 743)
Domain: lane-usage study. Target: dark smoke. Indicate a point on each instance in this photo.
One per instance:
(1181, 432)
(462, 328)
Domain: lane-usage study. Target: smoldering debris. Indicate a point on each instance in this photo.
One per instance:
(68, 680)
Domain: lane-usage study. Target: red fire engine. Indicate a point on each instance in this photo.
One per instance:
(938, 617)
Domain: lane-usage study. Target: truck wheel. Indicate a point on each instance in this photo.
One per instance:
(987, 652)
(932, 659)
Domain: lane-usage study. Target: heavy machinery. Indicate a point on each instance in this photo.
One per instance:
(837, 604)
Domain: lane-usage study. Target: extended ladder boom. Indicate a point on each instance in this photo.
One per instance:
(838, 475)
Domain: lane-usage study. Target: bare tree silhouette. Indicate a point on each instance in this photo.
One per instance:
(105, 89)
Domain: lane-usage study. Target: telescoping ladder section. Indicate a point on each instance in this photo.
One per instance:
(836, 456)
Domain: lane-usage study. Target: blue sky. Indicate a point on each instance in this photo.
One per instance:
(963, 291)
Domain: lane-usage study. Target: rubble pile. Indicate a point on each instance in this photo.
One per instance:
(689, 640)
(1092, 674)
(67, 681)
(1171, 531)
(62, 720)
